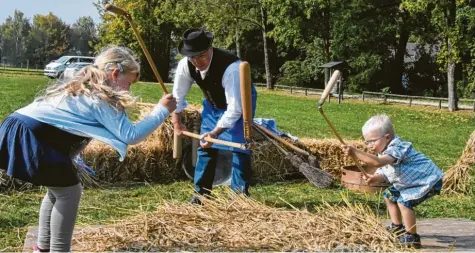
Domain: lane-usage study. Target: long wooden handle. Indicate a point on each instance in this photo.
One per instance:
(329, 87)
(116, 10)
(216, 141)
(122, 12)
(246, 99)
(259, 130)
(177, 146)
(286, 143)
(195, 143)
(353, 156)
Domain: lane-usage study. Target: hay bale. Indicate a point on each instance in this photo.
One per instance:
(329, 153)
(270, 165)
(232, 222)
(150, 160)
(459, 179)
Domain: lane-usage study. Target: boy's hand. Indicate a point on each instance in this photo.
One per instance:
(347, 149)
(372, 179)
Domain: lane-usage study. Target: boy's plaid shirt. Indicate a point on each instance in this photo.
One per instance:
(412, 174)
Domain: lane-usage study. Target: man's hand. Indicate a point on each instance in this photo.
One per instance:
(206, 144)
(178, 127)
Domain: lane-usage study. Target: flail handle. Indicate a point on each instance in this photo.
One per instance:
(329, 87)
(116, 10)
(177, 146)
(246, 98)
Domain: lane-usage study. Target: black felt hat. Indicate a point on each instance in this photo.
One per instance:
(195, 41)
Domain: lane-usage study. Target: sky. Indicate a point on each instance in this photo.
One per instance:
(68, 10)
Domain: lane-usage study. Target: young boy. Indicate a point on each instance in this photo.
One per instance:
(413, 176)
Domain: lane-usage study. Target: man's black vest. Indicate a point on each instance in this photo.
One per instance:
(212, 85)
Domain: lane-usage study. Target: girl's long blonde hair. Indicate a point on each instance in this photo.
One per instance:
(92, 80)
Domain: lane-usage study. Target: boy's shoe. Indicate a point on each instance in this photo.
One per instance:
(398, 230)
(411, 241)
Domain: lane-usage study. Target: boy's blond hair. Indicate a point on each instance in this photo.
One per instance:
(92, 80)
(380, 122)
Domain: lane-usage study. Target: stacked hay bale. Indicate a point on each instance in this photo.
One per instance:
(232, 222)
(150, 160)
(329, 153)
(269, 165)
(460, 178)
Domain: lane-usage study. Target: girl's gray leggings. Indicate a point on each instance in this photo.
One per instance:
(57, 218)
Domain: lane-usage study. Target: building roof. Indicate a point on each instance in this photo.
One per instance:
(331, 64)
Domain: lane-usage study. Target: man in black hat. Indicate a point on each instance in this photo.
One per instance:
(216, 71)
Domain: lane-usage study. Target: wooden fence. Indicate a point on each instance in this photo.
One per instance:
(384, 96)
(20, 71)
(438, 100)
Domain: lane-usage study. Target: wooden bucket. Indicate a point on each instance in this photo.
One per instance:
(352, 179)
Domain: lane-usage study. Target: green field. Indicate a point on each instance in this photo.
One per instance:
(438, 134)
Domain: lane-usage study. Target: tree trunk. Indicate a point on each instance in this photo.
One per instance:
(238, 44)
(326, 37)
(398, 64)
(451, 85)
(266, 53)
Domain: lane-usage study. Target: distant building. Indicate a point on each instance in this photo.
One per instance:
(412, 52)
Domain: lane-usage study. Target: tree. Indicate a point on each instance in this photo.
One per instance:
(49, 38)
(302, 29)
(229, 19)
(84, 36)
(444, 17)
(466, 28)
(15, 37)
(155, 29)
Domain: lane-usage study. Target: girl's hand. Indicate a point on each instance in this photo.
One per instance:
(169, 102)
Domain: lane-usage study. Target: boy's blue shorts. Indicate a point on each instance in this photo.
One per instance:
(395, 196)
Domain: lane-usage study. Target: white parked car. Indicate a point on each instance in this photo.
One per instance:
(73, 68)
(56, 68)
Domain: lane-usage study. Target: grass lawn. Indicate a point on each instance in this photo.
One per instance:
(438, 134)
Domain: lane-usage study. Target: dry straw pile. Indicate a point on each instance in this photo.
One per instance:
(329, 153)
(231, 222)
(460, 178)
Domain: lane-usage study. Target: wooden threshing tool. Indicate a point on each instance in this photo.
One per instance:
(325, 94)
